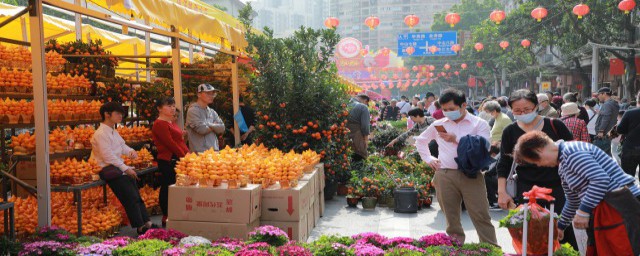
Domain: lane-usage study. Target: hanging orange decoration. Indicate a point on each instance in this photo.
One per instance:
(478, 46)
(410, 50)
(452, 19)
(525, 43)
(433, 49)
(463, 65)
(581, 10)
(627, 6)
(540, 13)
(432, 68)
(479, 64)
(385, 51)
(456, 48)
(504, 45)
(497, 16)
(411, 20)
(372, 22)
(331, 22)
(447, 66)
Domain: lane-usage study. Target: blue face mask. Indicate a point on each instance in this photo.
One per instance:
(452, 115)
(526, 118)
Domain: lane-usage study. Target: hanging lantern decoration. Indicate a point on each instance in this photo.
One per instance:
(463, 65)
(383, 77)
(419, 75)
(411, 20)
(497, 16)
(539, 13)
(414, 68)
(407, 76)
(447, 66)
(479, 64)
(627, 6)
(430, 75)
(391, 85)
(433, 49)
(525, 43)
(456, 73)
(385, 51)
(410, 50)
(478, 46)
(369, 69)
(504, 45)
(456, 48)
(364, 52)
(581, 10)
(372, 22)
(423, 82)
(395, 76)
(331, 22)
(452, 19)
(432, 68)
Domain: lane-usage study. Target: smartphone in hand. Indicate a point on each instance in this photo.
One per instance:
(441, 128)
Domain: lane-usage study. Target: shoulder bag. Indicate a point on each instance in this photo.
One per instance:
(512, 181)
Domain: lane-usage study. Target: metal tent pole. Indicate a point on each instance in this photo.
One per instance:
(147, 49)
(236, 95)
(40, 112)
(78, 21)
(177, 77)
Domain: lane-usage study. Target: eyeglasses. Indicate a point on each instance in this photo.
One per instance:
(522, 111)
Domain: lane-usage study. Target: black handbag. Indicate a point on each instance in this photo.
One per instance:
(109, 173)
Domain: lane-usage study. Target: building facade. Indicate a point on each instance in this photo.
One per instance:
(352, 14)
(286, 16)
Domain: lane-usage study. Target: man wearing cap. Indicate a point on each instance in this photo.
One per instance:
(577, 126)
(358, 123)
(607, 119)
(203, 123)
(545, 108)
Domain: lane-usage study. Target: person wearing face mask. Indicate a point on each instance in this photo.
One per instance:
(545, 108)
(452, 184)
(502, 120)
(524, 104)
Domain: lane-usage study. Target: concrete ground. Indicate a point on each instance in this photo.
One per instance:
(339, 219)
(345, 221)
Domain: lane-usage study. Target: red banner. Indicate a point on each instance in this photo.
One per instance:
(616, 67)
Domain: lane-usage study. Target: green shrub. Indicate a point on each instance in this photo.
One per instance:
(151, 247)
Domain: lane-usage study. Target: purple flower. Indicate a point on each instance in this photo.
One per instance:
(293, 250)
(120, 241)
(250, 252)
(409, 247)
(393, 242)
(97, 249)
(367, 250)
(229, 244)
(370, 238)
(268, 230)
(177, 251)
(40, 247)
(259, 246)
(171, 236)
(62, 237)
(437, 240)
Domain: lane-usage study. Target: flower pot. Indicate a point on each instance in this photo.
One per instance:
(352, 201)
(406, 200)
(369, 203)
(330, 190)
(391, 202)
(427, 202)
(343, 190)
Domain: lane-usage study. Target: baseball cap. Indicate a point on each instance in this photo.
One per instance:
(606, 90)
(206, 88)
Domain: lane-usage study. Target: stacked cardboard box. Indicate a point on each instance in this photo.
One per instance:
(290, 209)
(25, 171)
(215, 212)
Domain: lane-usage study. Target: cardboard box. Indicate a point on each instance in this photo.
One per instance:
(21, 192)
(315, 177)
(219, 205)
(26, 170)
(286, 204)
(320, 167)
(311, 221)
(316, 212)
(213, 230)
(297, 230)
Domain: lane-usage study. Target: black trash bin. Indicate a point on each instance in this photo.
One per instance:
(406, 200)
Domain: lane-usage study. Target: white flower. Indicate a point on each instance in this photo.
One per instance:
(194, 240)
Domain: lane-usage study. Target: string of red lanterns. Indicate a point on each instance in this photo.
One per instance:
(372, 22)
(331, 22)
(452, 19)
(411, 20)
(581, 10)
(497, 16)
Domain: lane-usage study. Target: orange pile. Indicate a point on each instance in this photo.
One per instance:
(255, 163)
(10, 80)
(67, 84)
(60, 140)
(12, 111)
(20, 57)
(23, 144)
(150, 196)
(135, 133)
(143, 160)
(310, 157)
(26, 215)
(72, 171)
(82, 136)
(70, 110)
(55, 62)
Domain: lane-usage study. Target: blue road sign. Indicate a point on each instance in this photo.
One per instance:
(422, 41)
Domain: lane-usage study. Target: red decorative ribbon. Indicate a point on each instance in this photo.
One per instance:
(534, 194)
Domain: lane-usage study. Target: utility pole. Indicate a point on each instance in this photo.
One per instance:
(594, 69)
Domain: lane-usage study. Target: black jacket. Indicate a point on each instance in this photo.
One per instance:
(473, 155)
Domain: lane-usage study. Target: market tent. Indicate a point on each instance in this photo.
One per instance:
(352, 87)
(166, 13)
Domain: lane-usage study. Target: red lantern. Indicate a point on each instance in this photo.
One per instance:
(627, 6)
(414, 68)
(391, 85)
(364, 52)
(433, 49)
(581, 10)
(369, 69)
(372, 22)
(411, 20)
(383, 77)
(432, 68)
(539, 13)
(385, 51)
(525, 43)
(452, 19)
(456, 73)
(331, 22)
(447, 66)
(410, 50)
(478, 46)
(479, 64)
(395, 76)
(504, 45)
(455, 48)
(463, 65)
(497, 16)
(407, 76)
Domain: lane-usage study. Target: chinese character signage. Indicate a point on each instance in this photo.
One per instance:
(421, 42)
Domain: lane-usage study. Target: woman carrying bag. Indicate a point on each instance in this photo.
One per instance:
(169, 140)
(524, 105)
(601, 197)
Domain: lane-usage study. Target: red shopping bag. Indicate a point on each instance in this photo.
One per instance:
(537, 228)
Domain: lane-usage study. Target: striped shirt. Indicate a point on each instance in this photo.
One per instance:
(587, 174)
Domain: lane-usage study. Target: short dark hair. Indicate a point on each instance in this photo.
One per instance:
(111, 107)
(457, 96)
(364, 97)
(430, 94)
(529, 144)
(165, 101)
(416, 98)
(416, 112)
(502, 102)
(590, 102)
(523, 94)
(571, 97)
(403, 97)
(437, 105)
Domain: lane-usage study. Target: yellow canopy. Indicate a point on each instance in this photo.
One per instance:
(352, 87)
(185, 15)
